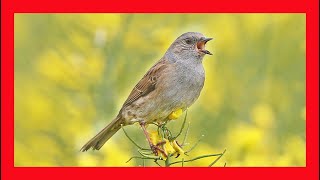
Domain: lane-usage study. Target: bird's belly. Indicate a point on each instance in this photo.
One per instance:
(178, 92)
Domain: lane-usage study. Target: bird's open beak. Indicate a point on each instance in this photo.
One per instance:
(201, 45)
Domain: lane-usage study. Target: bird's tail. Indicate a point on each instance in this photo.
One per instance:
(103, 136)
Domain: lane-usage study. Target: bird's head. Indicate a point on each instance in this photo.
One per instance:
(190, 45)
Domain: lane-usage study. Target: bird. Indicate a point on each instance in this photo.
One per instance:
(172, 84)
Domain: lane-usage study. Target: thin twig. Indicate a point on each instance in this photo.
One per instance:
(217, 159)
(161, 132)
(145, 152)
(182, 127)
(138, 157)
(132, 140)
(194, 145)
(199, 157)
(157, 163)
(166, 132)
(147, 155)
(185, 135)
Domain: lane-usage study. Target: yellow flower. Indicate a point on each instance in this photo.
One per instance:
(154, 137)
(177, 148)
(168, 147)
(175, 114)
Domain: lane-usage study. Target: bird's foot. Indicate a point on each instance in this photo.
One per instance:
(156, 149)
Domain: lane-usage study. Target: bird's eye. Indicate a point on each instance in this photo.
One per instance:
(189, 41)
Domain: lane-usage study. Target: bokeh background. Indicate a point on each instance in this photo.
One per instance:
(74, 71)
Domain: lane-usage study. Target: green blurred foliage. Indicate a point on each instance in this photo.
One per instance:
(74, 71)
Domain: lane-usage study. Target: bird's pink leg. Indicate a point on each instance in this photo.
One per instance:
(153, 147)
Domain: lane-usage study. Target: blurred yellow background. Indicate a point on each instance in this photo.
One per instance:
(74, 71)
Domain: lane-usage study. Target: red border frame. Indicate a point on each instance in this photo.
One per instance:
(311, 8)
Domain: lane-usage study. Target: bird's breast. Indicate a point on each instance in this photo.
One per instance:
(186, 85)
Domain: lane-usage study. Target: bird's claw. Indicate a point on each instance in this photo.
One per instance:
(155, 149)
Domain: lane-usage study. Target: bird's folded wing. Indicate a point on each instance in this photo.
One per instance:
(148, 83)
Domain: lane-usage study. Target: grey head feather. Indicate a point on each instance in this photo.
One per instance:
(184, 48)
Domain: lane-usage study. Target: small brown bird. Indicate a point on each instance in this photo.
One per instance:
(172, 84)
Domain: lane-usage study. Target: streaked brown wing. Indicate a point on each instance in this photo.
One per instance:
(147, 83)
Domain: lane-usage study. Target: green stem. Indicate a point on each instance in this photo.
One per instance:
(182, 127)
(185, 135)
(138, 157)
(217, 159)
(199, 157)
(194, 145)
(132, 139)
(167, 162)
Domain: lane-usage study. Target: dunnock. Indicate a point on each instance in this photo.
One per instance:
(173, 83)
